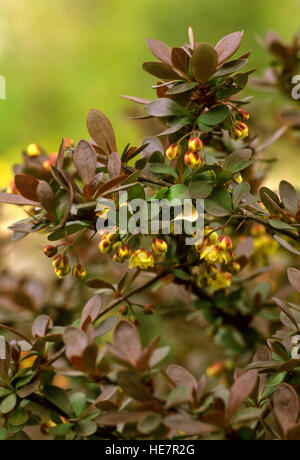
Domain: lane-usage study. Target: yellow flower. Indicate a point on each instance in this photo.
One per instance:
(79, 272)
(142, 259)
(159, 246)
(105, 246)
(33, 150)
(224, 242)
(239, 131)
(215, 370)
(122, 254)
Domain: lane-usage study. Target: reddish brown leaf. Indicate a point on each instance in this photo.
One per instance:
(127, 340)
(286, 310)
(117, 418)
(181, 377)
(179, 59)
(228, 45)
(16, 199)
(27, 186)
(160, 70)
(286, 406)
(91, 309)
(114, 165)
(46, 197)
(137, 100)
(86, 161)
(294, 278)
(160, 50)
(101, 130)
(185, 423)
(240, 391)
(109, 185)
(41, 325)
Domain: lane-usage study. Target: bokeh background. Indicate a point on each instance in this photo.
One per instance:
(61, 58)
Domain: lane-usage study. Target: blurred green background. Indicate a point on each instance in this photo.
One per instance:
(61, 58)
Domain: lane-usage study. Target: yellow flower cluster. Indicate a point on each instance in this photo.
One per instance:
(141, 259)
(215, 249)
(215, 278)
(264, 245)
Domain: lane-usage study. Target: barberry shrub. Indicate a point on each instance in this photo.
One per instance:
(86, 372)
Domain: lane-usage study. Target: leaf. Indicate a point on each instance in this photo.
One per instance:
(239, 192)
(96, 283)
(69, 229)
(41, 325)
(137, 100)
(106, 326)
(294, 278)
(86, 428)
(101, 131)
(286, 310)
(78, 402)
(191, 37)
(8, 403)
(161, 70)
(214, 208)
(181, 377)
(76, 342)
(200, 189)
(127, 340)
(204, 62)
(104, 188)
(114, 165)
(237, 157)
(117, 418)
(265, 193)
(289, 197)
(179, 59)
(231, 67)
(149, 423)
(222, 197)
(91, 309)
(241, 390)
(178, 191)
(19, 417)
(160, 168)
(61, 430)
(86, 161)
(214, 116)
(45, 196)
(186, 424)
(286, 406)
(27, 186)
(133, 387)
(165, 107)
(228, 45)
(286, 245)
(182, 88)
(160, 50)
(178, 395)
(10, 198)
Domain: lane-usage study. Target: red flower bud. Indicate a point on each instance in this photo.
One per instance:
(33, 150)
(50, 251)
(244, 115)
(79, 272)
(159, 246)
(105, 246)
(193, 159)
(60, 262)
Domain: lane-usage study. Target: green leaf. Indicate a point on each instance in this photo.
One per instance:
(19, 417)
(182, 88)
(4, 392)
(8, 403)
(222, 197)
(214, 208)
(61, 430)
(181, 274)
(3, 434)
(177, 396)
(200, 189)
(279, 225)
(231, 67)
(214, 116)
(177, 191)
(86, 428)
(160, 168)
(69, 229)
(149, 423)
(59, 398)
(239, 192)
(239, 156)
(78, 403)
(204, 62)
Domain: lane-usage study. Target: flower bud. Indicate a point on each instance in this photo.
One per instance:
(159, 246)
(238, 178)
(105, 246)
(236, 267)
(193, 160)
(257, 230)
(224, 242)
(141, 259)
(69, 143)
(243, 114)
(215, 370)
(60, 262)
(33, 150)
(173, 151)
(122, 254)
(51, 161)
(62, 272)
(79, 272)
(50, 251)
(239, 131)
(195, 144)
(149, 309)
